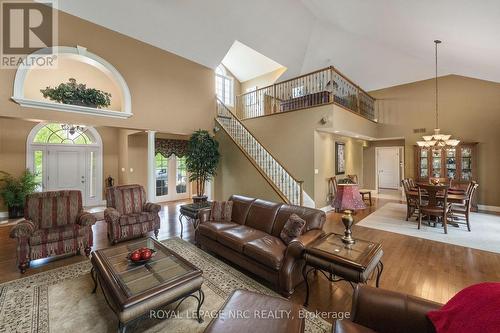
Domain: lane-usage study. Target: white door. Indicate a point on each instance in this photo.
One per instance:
(388, 167)
(66, 169)
(171, 178)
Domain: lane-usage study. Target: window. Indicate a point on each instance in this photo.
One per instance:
(223, 85)
(298, 92)
(181, 176)
(63, 134)
(161, 175)
(93, 175)
(38, 169)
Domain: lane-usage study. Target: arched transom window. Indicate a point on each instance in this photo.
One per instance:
(64, 134)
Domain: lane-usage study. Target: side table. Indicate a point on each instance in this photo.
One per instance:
(354, 263)
(191, 212)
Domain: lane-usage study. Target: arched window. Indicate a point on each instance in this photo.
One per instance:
(224, 86)
(64, 134)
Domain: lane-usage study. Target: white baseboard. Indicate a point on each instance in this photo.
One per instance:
(489, 208)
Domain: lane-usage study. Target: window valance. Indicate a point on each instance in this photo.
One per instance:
(167, 147)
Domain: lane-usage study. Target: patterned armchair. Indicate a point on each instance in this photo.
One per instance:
(54, 224)
(128, 214)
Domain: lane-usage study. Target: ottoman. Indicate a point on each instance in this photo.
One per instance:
(250, 312)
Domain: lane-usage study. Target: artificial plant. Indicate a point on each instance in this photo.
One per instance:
(75, 93)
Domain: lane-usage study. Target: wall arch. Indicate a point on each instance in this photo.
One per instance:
(83, 55)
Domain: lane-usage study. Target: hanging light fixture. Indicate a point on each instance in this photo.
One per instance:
(437, 140)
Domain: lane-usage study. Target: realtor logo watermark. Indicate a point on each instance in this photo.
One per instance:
(29, 30)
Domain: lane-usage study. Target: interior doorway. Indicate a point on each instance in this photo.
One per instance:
(389, 167)
(67, 157)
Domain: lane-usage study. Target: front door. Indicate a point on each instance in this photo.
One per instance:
(66, 169)
(388, 167)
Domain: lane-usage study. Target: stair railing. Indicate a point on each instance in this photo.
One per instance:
(281, 180)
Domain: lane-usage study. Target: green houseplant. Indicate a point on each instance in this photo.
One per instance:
(75, 93)
(201, 161)
(14, 191)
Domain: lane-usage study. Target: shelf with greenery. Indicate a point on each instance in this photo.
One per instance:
(75, 93)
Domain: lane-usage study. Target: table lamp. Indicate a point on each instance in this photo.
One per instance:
(348, 199)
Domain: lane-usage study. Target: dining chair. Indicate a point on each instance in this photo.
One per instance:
(462, 211)
(332, 189)
(366, 195)
(438, 209)
(411, 202)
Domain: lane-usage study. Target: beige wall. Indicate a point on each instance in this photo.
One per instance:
(369, 160)
(236, 175)
(324, 162)
(138, 159)
(263, 80)
(469, 109)
(13, 137)
(163, 85)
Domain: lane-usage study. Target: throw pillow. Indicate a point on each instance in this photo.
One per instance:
(292, 229)
(221, 211)
(473, 309)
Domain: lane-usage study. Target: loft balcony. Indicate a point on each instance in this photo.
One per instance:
(324, 86)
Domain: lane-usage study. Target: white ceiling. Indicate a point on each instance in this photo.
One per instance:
(375, 43)
(245, 63)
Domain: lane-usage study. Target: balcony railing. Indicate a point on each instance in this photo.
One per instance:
(325, 86)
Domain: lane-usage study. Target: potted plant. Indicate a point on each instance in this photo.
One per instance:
(14, 191)
(201, 161)
(75, 93)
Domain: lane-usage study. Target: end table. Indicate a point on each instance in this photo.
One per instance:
(354, 263)
(191, 213)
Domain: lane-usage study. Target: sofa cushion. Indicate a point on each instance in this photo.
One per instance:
(53, 208)
(221, 211)
(293, 228)
(347, 326)
(241, 205)
(49, 235)
(314, 218)
(235, 238)
(212, 228)
(268, 250)
(126, 199)
(262, 214)
(134, 218)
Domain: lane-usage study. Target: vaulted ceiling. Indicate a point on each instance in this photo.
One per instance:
(375, 43)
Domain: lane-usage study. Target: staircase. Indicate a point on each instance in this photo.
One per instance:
(284, 184)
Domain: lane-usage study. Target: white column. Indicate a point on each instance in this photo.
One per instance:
(151, 166)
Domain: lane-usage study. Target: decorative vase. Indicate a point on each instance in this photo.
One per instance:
(15, 212)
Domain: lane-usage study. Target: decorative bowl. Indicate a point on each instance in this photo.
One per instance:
(140, 261)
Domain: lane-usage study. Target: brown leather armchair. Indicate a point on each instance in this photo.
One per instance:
(252, 239)
(384, 311)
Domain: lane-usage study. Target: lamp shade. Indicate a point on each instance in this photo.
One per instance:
(348, 198)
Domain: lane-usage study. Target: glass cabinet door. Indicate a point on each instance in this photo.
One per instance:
(436, 163)
(451, 163)
(466, 163)
(424, 163)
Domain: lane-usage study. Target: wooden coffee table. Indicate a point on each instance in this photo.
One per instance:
(353, 263)
(131, 291)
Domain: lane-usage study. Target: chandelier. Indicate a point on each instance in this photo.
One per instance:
(72, 129)
(437, 140)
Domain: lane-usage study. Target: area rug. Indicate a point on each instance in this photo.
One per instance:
(60, 300)
(484, 235)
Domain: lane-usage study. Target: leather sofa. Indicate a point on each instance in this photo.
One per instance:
(383, 311)
(252, 239)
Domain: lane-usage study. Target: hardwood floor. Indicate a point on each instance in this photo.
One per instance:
(420, 267)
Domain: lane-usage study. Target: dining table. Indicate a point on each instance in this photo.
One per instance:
(452, 197)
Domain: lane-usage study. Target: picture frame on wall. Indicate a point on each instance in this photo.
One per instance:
(339, 158)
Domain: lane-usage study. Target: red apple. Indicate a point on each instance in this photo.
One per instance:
(135, 256)
(146, 254)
